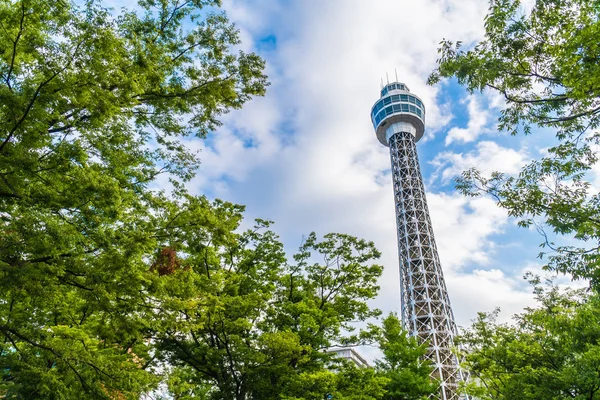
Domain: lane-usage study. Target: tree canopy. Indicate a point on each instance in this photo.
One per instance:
(259, 328)
(403, 365)
(92, 106)
(110, 289)
(544, 61)
(550, 352)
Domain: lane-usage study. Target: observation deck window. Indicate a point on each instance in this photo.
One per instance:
(391, 104)
(392, 86)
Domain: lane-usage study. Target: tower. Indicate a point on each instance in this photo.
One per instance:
(399, 121)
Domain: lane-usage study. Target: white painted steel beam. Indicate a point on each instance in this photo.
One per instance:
(399, 121)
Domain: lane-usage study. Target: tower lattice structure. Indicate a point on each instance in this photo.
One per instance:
(399, 121)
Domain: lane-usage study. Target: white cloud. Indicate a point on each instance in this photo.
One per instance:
(478, 120)
(487, 289)
(487, 157)
(464, 226)
(315, 163)
(247, 141)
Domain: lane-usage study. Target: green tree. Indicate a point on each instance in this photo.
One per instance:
(92, 106)
(260, 328)
(546, 65)
(108, 288)
(550, 352)
(402, 364)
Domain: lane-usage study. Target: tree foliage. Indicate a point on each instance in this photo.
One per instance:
(259, 327)
(545, 62)
(92, 106)
(550, 352)
(108, 288)
(402, 364)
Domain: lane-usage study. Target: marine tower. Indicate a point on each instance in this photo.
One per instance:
(399, 121)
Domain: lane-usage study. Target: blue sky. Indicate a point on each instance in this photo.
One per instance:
(306, 155)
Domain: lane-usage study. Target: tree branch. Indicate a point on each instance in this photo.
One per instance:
(35, 96)
(15, 43)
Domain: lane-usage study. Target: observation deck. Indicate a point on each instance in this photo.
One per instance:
(398, 110)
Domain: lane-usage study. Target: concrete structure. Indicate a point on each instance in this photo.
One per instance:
(399, 121)
(349, 354)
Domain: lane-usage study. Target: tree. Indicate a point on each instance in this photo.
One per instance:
(108, 288)
(92, 106)
(545, 64)
(260, 327)
(409, 377)
(551, 352)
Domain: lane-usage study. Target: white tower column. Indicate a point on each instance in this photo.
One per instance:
(398, 118)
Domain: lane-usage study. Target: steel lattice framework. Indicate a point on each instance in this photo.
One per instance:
(398, 118)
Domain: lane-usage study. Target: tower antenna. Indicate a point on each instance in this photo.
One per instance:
(396, 72)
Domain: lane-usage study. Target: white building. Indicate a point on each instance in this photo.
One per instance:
(349, 354)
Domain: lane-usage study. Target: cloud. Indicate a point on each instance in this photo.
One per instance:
(464, 227)
(306, 155)
(488, 289)
(477, 125)
(487, 156)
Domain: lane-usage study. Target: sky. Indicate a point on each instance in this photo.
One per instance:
(306, 156)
